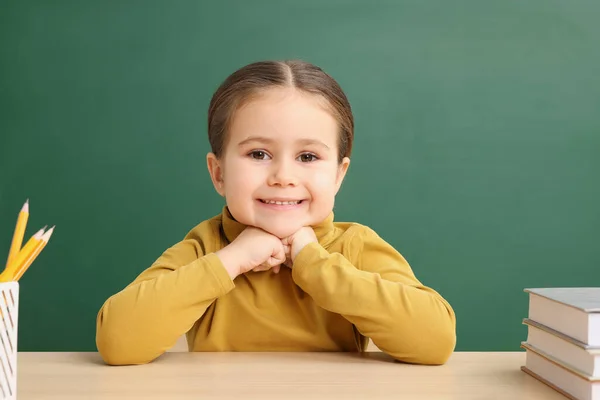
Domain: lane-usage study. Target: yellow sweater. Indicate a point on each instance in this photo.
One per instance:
(349, 287)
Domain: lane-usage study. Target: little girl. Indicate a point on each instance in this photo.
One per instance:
(273, 271)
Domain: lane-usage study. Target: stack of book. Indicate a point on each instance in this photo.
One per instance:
(563, 340)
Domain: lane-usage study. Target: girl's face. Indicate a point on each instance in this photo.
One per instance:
(279, 170)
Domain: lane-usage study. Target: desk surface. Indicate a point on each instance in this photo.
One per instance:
(306, 376)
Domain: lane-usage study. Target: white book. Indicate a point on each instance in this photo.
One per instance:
(575, 354)
(574, 312)
(559, 377)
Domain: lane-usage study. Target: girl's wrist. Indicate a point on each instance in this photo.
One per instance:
(229, 261)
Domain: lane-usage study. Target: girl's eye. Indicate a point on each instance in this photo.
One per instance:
(258, 155)
(307, 157)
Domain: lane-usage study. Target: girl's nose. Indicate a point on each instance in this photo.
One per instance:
(282, 174)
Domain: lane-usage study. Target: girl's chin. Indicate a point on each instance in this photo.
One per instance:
(281, 232)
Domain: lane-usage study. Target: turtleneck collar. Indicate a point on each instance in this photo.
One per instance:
(232, 228)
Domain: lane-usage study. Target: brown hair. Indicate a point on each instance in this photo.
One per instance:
(250, 80)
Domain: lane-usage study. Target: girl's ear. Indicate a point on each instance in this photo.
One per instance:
(215, 169)
(342, 169)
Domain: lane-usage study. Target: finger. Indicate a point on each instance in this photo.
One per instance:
(276, 258)
(262, 267)
(276, 268)
(280, 255)
(273, 261)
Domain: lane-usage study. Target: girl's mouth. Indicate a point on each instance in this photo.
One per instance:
(282, 203)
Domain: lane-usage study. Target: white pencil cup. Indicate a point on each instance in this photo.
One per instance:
(9, 319)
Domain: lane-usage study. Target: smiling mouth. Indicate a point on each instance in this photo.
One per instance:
(282, 203)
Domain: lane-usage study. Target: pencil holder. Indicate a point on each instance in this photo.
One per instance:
(9, 311)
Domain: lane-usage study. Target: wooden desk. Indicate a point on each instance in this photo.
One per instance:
(306, 376)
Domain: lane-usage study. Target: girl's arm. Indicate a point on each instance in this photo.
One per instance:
(380, 295)
(145, 319)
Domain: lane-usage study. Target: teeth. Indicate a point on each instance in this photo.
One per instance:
(280, 203)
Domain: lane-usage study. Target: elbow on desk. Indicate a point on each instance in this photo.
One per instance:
(432, 343)
(437, 339)
(433, 349)
(115, 353)
(120, 360)
(441, 344)
(442, 349)
(117, 349)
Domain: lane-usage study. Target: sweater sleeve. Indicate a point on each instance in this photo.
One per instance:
(381, 296)
(141, 322)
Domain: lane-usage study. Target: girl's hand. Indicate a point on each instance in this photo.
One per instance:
(253, 250)
(299, 240)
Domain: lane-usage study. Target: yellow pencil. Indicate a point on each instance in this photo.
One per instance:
(20, 270)
(26, 251)
(19, 233)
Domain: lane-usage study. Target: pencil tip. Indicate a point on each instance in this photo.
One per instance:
(39, 234)
(47, 234)
(25, 206)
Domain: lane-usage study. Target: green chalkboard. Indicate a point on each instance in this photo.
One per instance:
(477, 151)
